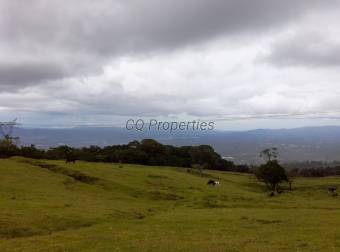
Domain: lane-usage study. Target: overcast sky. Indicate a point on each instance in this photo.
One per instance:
(65, 63)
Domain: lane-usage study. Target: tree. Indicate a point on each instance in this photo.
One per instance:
(269, 154)
(7, 148)
(292, 174)
(204, 155)
(272, 174)
(151, 146)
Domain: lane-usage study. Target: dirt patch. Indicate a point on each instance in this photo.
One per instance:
(16, 232)
(157, 176)
(156, 195)
(46, 226)
(76, 175)
(268, 221)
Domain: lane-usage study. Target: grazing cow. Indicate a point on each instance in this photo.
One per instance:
(332, 191)
(213, 182)
(70, 160)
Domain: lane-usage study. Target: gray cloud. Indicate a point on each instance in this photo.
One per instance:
(26, 73)
(306, 50)
(101, 30)
(134, 25)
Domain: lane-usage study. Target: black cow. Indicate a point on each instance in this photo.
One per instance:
(70, 160)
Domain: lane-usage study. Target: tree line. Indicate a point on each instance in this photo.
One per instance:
(314, 168)
(145, 152)
(151, 152)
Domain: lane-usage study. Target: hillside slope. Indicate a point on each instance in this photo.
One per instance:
(51, 206)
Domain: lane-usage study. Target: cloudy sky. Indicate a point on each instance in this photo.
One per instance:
(272, 63)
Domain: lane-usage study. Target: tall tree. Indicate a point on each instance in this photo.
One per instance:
(271, 173)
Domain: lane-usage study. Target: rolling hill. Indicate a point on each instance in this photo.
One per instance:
(51, 206)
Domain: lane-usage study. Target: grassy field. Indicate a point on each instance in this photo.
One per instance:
(51, 206)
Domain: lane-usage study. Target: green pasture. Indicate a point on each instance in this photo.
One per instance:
(53, 206)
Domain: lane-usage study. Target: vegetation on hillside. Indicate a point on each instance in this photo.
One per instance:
(146, 152)
(150, 152)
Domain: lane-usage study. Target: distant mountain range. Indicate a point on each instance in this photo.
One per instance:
(299, 144)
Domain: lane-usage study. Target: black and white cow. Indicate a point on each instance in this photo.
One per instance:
(332, 190)
(212, 182)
